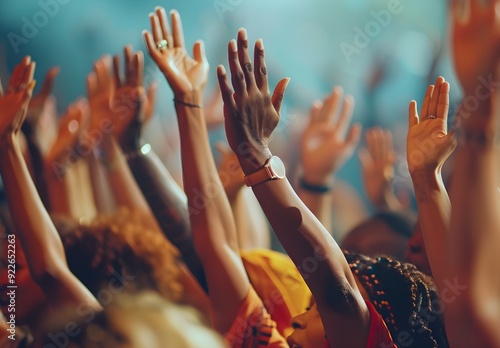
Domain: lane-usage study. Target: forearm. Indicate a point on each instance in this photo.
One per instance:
(214, 229)
(319, 260)
(206, 196)
(319, 204)
(169, 206)
(39, 239)
(251, 223)
(58, 191)
(103, 198)
(37, 164)
(123, 186)
(434, 214)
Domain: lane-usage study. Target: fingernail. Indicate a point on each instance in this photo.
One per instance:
(260, 44)
(243, 33)
(232, 45)
(221, 70)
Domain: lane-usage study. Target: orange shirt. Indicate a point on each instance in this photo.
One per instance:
(253, 326)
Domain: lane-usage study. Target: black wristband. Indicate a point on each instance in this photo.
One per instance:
(314, 188)
(177, 101)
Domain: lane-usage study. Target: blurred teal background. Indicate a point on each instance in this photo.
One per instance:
(399, 56)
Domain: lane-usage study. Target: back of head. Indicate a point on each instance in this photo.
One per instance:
(384, 234)
(405, 298)
(121, 253)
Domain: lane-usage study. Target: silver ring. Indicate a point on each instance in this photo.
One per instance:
(162, 44)
(431, 117)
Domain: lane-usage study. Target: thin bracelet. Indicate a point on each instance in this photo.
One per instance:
(143, 151)
(319, 189)
(177, 101)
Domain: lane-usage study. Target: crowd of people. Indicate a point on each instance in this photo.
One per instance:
(103, 248)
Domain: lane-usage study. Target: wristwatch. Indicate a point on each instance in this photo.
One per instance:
(273, 169)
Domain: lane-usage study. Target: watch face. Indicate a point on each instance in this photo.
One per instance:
(277, 166)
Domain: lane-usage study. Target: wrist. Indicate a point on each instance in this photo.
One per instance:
(190, 99)
(318, 179)
(424, 179)
(252, 159)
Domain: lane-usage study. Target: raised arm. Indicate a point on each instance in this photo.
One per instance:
(251, 115)
(165, 199)
(213, 225)
(474, 317)
(34, 138)
(61, 157)
(38, 236)
(377, 160)
(327, 144)
(429, 144)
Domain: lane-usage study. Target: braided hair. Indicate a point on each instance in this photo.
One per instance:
(406, 299)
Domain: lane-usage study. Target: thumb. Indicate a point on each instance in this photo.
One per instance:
(279, 93)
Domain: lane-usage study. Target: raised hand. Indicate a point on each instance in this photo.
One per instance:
(14, 103)
(38, 101)
(475, 58)
(71, 125)
(325, 146)
(101, 90)
(131, 106)
(429, 143)
(377, 161)
(251, 114)
(167, 48)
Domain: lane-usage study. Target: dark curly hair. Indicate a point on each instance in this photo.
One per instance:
(121, 252)
(406, 299)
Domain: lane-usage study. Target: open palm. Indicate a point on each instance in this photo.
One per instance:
(429, 143)
(184, 74)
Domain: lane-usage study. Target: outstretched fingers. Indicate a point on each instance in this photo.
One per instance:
(237, 75)
(444, 101)
(48, 82)
(178, 33)
(225, 88)
(345, 116)
(279, 94)
(164, 26)
(244, 58)
(413, 114)
(260, 69)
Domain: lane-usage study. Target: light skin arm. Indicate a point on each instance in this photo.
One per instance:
(327, 143)
(212, 223)
(429, 144)
(377, 161)
(475, 219)
(251, 223)
(38, 236)
(251, 114)
(33, 137)
(60, 161)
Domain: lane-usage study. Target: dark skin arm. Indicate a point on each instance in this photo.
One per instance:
(251, 114)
